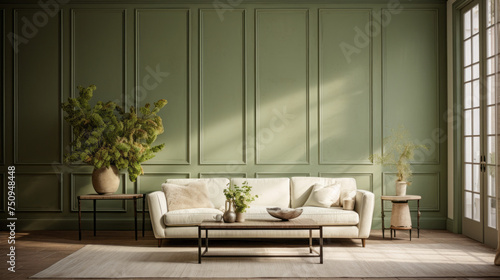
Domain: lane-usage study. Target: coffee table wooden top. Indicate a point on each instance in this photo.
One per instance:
(297, 223)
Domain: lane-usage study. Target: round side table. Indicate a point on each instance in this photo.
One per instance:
(400, 217)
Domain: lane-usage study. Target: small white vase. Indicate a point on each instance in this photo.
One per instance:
(401, 188)
(106, 180)
(240, 217)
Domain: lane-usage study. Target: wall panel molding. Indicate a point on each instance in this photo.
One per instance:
(95, 66)
(345, 100)
(399, 85)
(281, 174)
(2, 88)
(21, 149)
(228, 175)
(282, 126)
(351, 175)
(40, 191)
(220, 139)
(169, 83)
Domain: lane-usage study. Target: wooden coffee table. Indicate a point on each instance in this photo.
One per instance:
(295, 224)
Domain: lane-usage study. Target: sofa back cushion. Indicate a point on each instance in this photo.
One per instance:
(215, 188)
(271, 191)
(301, 187)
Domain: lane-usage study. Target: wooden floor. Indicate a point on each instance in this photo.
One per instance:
(38, 250)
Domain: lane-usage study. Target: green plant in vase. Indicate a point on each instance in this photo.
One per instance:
(399, 150)
(109, 139)
(240, 197)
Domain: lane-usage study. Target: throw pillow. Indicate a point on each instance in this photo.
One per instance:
(347, 195)
(193, 195)
(324, 196)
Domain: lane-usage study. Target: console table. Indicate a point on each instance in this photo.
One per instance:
(295, 224)
(96, 197)
(400, 213)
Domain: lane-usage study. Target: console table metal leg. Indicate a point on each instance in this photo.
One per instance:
(418, 218)
(135, 217)
(95, 208)
(79, 219)
(143, 213)
(321, 245)
(383, 227)
(199, 245)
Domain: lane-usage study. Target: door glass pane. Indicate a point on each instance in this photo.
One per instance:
(490, 95)
(467, 52)
(476, 179)
(491, 120)
(475, 48)
(467, 25)
(490, 153)
(477, 207)
(475, 93)
(468, 96)
(490, 66)
(468, 205)
(475, 122)
(492, 213)
(475, 71)
(468, 177)
(490, 43)
(475, 20)
(476, 152)
(468, 149)
(468, 122)
(491, 180)
(468, 74)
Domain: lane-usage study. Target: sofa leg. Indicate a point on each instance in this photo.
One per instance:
(159, 243)
(363, 242)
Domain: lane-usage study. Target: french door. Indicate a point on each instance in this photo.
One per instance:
(479, 73)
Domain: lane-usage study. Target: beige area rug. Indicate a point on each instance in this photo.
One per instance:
(376, 260)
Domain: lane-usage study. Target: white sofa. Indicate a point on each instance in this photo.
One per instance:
(273, 192)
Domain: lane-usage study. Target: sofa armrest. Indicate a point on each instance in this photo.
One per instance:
(365, 202)
(157, 209)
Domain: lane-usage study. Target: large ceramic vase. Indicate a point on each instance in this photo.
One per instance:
(106, 180)
(401, 188)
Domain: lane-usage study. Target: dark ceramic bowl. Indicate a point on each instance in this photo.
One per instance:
(284, 214)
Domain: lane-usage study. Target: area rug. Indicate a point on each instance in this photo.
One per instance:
(376, 260)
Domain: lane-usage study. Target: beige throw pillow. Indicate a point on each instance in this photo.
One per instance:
(193, 195)
(324, 196)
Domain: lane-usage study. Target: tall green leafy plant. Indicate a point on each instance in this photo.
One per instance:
(241, 197)
(104, 134)
(399, 150)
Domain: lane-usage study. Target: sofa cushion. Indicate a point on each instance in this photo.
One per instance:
(324, 196)
(189, 216)
(215, 188)
(272, 192)
(334, 216)
(301, 187)
(193, 195)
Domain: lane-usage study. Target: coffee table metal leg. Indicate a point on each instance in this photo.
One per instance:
(199, 244)
(310, 241)
(321, 245)
(206, 240)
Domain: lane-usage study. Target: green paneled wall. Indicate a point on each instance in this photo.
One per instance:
(254, 90)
